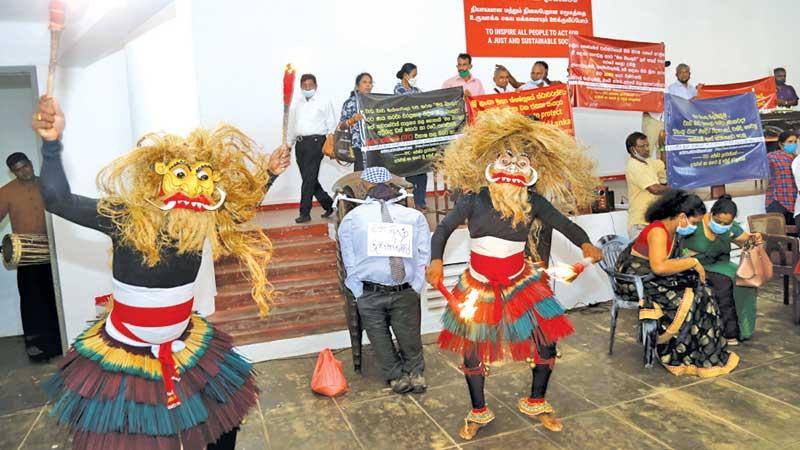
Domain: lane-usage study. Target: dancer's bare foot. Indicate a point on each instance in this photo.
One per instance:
(469, 430)
(550, 422)
(475, 420)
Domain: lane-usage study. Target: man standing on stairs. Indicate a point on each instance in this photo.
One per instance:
(385, 249)
(311, 119)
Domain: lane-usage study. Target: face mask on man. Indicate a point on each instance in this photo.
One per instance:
(790, 148)
(463, 73)
(310, 93)
(538, 82)
(717, 228)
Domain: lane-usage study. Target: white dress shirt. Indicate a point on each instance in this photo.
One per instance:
(498, 90)
(686, 91)
(353, 244)
(311, 116)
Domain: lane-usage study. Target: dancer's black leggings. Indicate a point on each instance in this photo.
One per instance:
(225, 442)
(540, 373)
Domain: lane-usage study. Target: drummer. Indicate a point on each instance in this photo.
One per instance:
(21, 200)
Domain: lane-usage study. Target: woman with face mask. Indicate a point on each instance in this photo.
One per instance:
(781, 192)
(408, 80)
(711, 245)
(408, 86)
(351, 118)
(689, 330)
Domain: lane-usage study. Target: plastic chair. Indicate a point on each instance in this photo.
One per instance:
(783, 251)
(613, 246)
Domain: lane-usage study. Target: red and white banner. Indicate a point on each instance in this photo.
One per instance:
(548, 104)
(615, 74)
(525, 28)
(765, 89)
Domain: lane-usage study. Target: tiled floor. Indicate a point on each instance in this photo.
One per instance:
(606, 402)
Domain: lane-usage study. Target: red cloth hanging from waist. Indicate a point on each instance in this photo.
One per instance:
(122, 314)
(499, 272)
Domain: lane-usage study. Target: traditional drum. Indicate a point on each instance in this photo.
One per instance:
(25, 250)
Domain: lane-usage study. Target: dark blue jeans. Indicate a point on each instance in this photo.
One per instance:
(420, 183)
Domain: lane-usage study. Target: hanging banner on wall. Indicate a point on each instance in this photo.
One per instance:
(765, 89)
(405, 133)
(548, 104)
(614, 74)
(714, 141)
(519, 28)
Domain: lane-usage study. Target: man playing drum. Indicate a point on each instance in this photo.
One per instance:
(22, 201)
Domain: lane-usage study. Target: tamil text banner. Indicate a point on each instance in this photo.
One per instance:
(548, 104)
(713, 141)
(525, 28)
(614, 74)
(764, 88)
(404, 133)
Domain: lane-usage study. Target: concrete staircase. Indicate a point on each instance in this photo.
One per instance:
(303, 270)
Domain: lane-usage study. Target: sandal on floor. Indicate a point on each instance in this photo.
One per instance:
(541, 410)
(474, 421)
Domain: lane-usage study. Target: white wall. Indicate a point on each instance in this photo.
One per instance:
(15, 136)
(95, 104)
(240, 52)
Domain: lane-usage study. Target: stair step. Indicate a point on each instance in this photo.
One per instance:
(268, 334)
(281, 233)
(264, 330)
(281, 304)
(286, 281)
(241, 296)
(231, 274)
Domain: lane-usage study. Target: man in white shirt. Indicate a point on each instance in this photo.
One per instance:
(310, 120)
(502, 83)
(387, 288)
(682, 88)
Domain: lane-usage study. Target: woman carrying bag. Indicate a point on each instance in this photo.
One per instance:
(711, 245)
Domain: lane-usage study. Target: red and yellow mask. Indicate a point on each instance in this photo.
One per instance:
(188, 186)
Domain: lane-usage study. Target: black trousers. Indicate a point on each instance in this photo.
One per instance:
(722, 287)
(420, 183)
(358, 166)
(37, 305)
(225, 442)
(308, 151)
(403, 313)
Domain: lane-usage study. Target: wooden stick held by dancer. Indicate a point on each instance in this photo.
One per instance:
(288, 90)
(56, 26)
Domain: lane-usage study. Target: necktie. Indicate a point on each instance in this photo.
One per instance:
(395, 262)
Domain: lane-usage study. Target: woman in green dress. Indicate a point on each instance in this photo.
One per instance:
(711, 245)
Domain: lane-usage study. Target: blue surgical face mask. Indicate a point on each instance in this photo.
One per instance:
(790, 148)
(688, 230)
(717, 228)
(309, 94)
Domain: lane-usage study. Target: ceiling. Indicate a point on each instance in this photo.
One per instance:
(37, 10)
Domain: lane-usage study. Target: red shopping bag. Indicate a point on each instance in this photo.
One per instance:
(328, 377)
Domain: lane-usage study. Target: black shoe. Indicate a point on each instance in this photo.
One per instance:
(302, 219)
(418, 383)
(327, 213)
(401, 385)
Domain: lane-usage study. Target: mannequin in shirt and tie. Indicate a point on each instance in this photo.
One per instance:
(387, 288)
(311, 119)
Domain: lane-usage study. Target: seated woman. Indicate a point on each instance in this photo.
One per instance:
(711, 245)
(690, 340)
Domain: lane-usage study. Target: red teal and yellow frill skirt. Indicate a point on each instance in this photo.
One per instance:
(112, 396)
(528, 316)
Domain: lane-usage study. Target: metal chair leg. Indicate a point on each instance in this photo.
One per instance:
(614, 312)
(786, 289)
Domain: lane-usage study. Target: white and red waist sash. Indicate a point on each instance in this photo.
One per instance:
(155, 318)
(496, 262)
